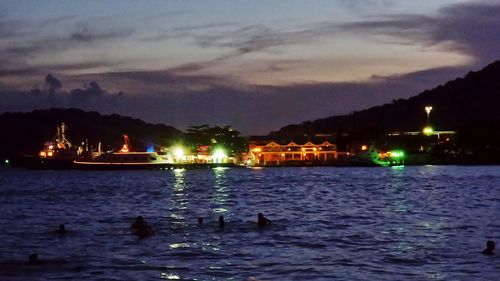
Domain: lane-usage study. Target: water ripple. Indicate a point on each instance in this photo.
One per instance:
(412, 223)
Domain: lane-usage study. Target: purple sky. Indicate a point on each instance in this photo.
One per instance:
(255, 65)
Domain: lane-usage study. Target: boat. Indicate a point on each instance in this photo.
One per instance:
(123, 159)
(58, 153)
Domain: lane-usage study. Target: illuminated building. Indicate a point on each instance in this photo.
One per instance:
(275, 154)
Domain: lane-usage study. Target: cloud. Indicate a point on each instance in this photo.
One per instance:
(184, 100)
(469, 28)
(180, 96)
(91, 97)
(87, 34)
(10, 28)
(367, 5)
(53, 83)
(28, 41)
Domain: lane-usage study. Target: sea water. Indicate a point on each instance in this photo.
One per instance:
(386, 223)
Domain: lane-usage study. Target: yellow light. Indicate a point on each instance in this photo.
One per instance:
(219, 153)
(49, 154)
(51, 147)
(42, 154)
(178, 152)
(303, 149)
(315, 149)
(257, 149)
(282, 154)
(428, 131)
(428, 109)
(364, 147)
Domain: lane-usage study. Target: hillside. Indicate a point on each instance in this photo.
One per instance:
(26, 132)
(469, 105)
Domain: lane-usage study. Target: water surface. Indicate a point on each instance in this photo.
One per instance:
(399, 223)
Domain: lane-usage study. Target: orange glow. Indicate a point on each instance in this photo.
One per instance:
(257, 149)
(282, 154)
(42, 154)
(124, 148)
(364, 147)
(49, 154)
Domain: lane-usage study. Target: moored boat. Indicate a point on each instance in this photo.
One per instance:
(58, 153)
(124, 160)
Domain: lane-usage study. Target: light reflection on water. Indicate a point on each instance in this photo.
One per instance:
(393, 223)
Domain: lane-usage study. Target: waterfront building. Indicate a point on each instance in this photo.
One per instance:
(273, 153)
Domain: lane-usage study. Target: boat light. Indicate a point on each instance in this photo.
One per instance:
(178, 152)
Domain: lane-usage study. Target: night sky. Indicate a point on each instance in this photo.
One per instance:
(255, 65)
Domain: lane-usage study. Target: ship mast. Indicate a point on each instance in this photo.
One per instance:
(61, 140)
(127, 147)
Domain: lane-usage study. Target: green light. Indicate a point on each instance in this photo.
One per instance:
(397, 154)
(428, 131)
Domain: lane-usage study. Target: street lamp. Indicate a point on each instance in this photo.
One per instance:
(428, 111)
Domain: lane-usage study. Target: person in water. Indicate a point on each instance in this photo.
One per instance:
(141, 228)
(221, 222)
(490, 247)
(61, 230)
(33, 258)
(262, 221)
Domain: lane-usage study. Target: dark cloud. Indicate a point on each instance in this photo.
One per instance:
(9, 68)
(87, 34)
(90, 97)
(367, 5)
(89, 92)
(53, 83)
(22, 42)
(184, 100)
(10, 28)
(173, 97)
(469, 28)
(188, 31)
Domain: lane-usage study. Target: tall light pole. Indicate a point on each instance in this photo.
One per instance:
(428, 111)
